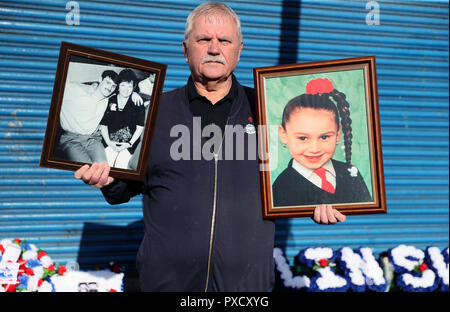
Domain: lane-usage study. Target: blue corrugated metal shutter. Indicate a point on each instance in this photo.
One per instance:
(73, 223)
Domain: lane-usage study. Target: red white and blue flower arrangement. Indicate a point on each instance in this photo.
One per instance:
(35, 267)
(404, 268)
(26, 268)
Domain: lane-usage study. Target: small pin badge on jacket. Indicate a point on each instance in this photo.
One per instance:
(250, 128)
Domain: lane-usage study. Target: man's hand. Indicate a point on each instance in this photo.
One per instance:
(137, 99)
(96, 175)
(326, 214)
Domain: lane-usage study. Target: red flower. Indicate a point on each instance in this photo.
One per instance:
(422, 267)
(115, 268)
(41, 254)
(51, 267)
(250, 119)
(2, 249)
(17, 241)
(61, 270)
(323, 262)
(22, 270)
(40, 281)
(11, 288)
(21, 262)
(29, 271)
(112, 290)
(319, 86)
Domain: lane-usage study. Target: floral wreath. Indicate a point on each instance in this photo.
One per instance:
(284, 276)
(35, 268)
(321, 261)
(403, 268)
(413, 274)
(362, 270)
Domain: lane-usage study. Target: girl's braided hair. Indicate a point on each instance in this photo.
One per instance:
(320, 94)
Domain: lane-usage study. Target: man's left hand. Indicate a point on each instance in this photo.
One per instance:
(326, 214)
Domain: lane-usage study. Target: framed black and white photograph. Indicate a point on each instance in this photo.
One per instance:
(103, 110)
(320, 132)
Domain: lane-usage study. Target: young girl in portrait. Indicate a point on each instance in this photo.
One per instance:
(311, 128)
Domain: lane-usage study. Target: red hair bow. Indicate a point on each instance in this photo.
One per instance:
(320, 86)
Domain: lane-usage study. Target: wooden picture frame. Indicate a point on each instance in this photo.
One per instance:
(92, 104)
(289, 185)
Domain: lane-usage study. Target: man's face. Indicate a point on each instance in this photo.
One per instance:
(213, 48)
(311, 135)
(107, 86)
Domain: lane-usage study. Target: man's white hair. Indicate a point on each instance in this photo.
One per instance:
(210, 8)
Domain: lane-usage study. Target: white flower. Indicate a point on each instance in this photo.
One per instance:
(38, 271)
(5, 242)
(328, 279)
(372, 269)
(363, 269)
(318, 253)
(46, 261)
(408, 258)
(33, 283)
(29, 254)
(425, 281)
(45, 287)
(286, 275)
(438, 262)
(400, 253)
(353, 171)
(353, 262)
(33, 247)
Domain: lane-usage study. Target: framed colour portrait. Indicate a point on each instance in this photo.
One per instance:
(319, 137)
(103, 109)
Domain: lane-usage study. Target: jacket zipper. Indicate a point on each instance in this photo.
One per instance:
(216, 159)
(213, 219)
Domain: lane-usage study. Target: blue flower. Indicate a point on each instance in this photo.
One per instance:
(33, 263)
(23, 282)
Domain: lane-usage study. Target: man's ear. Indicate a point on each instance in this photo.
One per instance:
(185, 51)
(240, 50)
(283, 135)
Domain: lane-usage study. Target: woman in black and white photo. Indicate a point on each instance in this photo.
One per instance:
(123, 122)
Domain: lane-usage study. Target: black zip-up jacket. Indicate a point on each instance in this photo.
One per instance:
(203, 222)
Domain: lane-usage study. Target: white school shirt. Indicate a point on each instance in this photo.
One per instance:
(80, 112)
(314, 178)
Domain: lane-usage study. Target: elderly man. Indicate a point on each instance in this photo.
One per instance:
(204, 229)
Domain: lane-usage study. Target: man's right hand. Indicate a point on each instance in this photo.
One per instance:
(137, 99)
(96, 175)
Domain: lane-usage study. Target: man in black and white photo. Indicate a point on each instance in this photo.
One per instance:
(82, 110)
